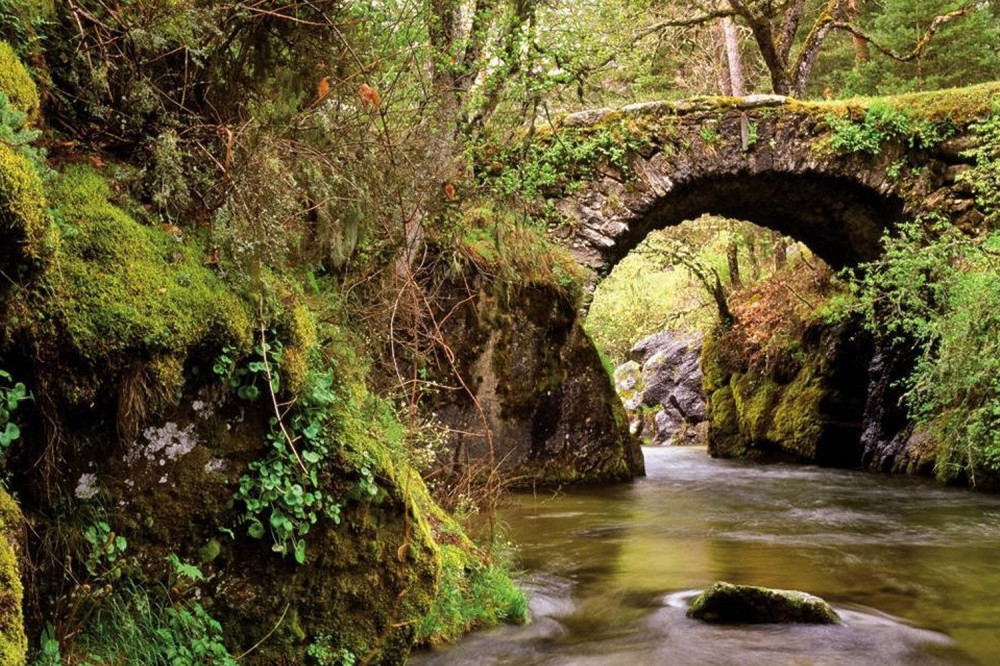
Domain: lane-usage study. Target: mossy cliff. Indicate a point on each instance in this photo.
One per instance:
(810, 410)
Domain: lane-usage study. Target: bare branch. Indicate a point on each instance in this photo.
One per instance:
(685, 22)
(921, 44)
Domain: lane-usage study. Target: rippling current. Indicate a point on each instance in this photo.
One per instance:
(912, 568)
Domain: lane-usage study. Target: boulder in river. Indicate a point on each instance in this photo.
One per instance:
(725, 603)
(661, 388)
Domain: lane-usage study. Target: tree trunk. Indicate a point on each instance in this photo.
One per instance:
(722, 65)
(733, 58)
(751, 242)
(861, 54)
(721, 303)
(733, 259)
(780, 251)
(763, 34)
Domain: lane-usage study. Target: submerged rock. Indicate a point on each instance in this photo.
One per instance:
(725, 603)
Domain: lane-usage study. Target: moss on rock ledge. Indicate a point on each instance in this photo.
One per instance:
(13, 642)
(26, 236)
(120, 301)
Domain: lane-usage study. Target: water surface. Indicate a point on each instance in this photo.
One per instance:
(913, 568)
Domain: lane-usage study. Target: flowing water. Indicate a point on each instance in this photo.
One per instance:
(913, 568)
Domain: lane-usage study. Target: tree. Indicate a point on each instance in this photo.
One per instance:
(961, 53)
(789, 45)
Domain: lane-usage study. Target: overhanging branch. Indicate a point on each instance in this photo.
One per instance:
(685, 22)
(920, 46)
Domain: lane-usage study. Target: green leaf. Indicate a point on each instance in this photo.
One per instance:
(300, 551)
(250, 392)
(256, 529)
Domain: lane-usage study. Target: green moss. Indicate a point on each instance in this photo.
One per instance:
(755, 396)
(211, 550)
(714, 373)
(797, 422)
(724, 429)
(748, 604)
(26, 236)
(16, 83)
(13, 643)
(120, 293)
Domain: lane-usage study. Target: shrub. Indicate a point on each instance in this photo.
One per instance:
(939, 291)
(882, 124)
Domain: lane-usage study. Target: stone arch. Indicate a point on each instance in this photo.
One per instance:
(839, 220)
(762, 159)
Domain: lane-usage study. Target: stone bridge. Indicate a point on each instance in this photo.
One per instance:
(776, 162)
(834, 176)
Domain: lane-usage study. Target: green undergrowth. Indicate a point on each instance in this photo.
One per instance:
(473, 592)
(935, 291)
(510, 247)
(882, 123)
(561, 160)
(136, 628)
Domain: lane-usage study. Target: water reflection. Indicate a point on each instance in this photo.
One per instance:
(913, 567)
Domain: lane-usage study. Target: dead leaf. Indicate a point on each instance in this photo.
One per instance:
(370, 99)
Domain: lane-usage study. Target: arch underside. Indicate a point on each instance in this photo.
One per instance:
(840, 220)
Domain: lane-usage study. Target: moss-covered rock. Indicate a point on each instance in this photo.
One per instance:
(755, 396)
(394, 571)
(798, 420)
(26, 236)
(16, 83)
(725, 603)
(724, 425)
(539, 384)
(714, 373)
(122, 305)
(813, 414)
(13, 642)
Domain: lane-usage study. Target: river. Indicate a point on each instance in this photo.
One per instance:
(913, 568)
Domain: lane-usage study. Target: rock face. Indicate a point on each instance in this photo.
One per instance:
(661, 388)
(812, 412)
(541, 388)
(724, 603)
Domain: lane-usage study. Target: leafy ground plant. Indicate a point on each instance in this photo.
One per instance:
(12, 394)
